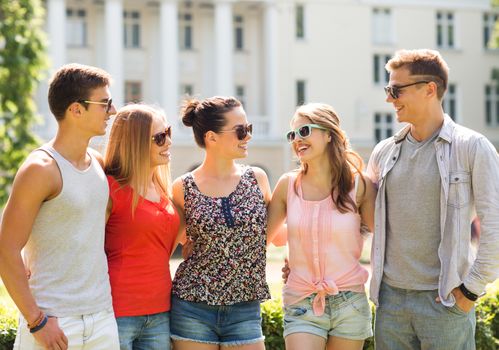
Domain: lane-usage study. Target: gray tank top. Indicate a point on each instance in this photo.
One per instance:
(65, 251)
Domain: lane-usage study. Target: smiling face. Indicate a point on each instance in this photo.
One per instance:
(160, 154)
(312, 146)
(227, 138)
(411, 104)
(94, 118)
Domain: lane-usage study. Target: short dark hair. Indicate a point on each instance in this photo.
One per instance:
(423, 62)
(73, 82)
(207, 115)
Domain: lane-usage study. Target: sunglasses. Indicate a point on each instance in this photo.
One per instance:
(160, 138)
(241, 131)
(394, 91)
(108, 103)
(302, 132)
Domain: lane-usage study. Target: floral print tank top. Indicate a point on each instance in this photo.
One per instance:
(227, 265)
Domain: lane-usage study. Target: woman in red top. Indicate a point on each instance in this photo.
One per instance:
(142, 226)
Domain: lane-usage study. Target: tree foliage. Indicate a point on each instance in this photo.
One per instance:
(22, 63)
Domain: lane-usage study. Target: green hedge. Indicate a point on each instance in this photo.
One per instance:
(486, 337)
(487, 326)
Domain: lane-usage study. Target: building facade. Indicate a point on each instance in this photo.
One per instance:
(274, 55)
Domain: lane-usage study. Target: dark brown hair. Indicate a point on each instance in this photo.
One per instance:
(207, 115)
(427, 64)
(74, 82)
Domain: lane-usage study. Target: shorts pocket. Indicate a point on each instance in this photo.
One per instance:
(361, 306)
(295, 311)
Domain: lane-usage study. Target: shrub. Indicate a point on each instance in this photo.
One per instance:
(8, 327)
(272, 324)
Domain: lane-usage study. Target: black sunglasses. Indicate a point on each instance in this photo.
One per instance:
(160, 138)
(303, 131)
(394, 91)
(108, 103)
(241, 131)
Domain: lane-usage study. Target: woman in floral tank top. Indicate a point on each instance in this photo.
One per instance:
(217, 290)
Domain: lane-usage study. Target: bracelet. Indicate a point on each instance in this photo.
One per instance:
(37, 321)
(40, 326)
(467, 293)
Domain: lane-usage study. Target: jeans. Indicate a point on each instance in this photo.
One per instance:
(144, 332)
(94, 331)
(412, 319)
(226, 325)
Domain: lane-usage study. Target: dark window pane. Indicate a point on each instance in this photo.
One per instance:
(450, 34)
(300, 92)
(376, 68)
(136, 35)
(377, 135)
(389, 118)
(300, 22)
(452, 108)
(188, 37)
(377, 118)
(488, 112)
(239, 38)
(389, 132)
(439, 35)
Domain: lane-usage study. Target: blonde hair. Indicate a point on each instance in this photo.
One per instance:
(345, 162)
(127, 156)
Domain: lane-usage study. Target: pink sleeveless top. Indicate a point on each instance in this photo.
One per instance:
(324, 249)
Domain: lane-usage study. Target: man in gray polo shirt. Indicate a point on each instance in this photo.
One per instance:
(432, 177)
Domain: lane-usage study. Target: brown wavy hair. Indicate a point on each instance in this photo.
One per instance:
(345, 162)
(128, 153)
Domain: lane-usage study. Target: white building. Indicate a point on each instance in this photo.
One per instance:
(273, 55)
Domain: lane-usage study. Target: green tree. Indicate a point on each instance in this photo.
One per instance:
(22, 65)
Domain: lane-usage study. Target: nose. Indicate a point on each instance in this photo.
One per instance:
(168, 140)
(389, 98)
(112, 110)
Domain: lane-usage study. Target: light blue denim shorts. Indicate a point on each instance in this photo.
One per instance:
(144, 332)
(227, 325)
(346, 315)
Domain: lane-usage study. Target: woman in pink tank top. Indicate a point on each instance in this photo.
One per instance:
(326, 202)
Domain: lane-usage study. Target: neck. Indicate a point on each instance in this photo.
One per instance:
(70, 144)
(216, 166)
(431, 120)
(319, 171)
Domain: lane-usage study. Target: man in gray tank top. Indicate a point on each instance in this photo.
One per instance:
(56, 213)
(432, 177)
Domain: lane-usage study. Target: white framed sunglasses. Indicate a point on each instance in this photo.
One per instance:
(303, 131)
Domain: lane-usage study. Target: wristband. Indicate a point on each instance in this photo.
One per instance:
(468, 294)
(39, 326)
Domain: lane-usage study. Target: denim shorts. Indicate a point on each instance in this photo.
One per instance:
(227, 325)
(144, 332)
(346, 315)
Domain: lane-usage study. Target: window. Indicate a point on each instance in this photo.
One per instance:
(185, 31)
(187, 89)
(445, 30)
(380, 74)
(300, 21)
(131, 36)
(382, 31)
(300, 92)
(449, 103)
(489, 26)
(239, 33)
(240, 94)
(133, 91)
(492, 104)
(76, 27)
(383, 126)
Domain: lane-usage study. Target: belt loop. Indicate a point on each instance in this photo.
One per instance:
(344, 296)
